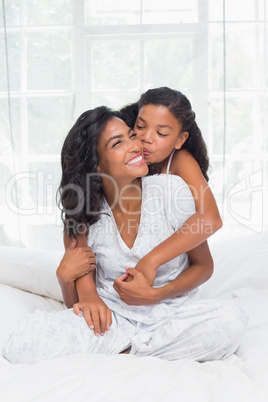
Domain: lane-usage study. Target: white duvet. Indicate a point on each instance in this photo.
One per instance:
(28, 282)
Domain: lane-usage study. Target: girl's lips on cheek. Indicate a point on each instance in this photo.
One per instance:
(146, 152)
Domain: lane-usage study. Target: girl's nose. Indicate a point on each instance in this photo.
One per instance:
(147, 136)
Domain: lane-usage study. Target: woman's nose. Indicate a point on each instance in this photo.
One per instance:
(135, 145)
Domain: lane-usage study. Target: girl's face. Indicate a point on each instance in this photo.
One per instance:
(120, 152)
(159, 132)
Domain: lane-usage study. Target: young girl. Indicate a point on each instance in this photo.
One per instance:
(165, 123)
(102, 164)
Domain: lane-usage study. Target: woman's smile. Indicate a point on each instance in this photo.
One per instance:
(136, 161)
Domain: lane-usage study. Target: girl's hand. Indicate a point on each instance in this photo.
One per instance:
(97, 315)
(138, 291)
(146, 267)
(76, 262)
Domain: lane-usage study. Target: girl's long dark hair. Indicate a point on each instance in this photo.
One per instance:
(80, 194)
(179, 105)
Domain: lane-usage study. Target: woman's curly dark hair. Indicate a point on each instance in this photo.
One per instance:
(181, 108)
(80, 191)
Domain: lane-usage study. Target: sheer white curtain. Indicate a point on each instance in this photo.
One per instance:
(59, 58)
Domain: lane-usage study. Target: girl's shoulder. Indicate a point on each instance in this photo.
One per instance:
(182, 160)
(183, 164)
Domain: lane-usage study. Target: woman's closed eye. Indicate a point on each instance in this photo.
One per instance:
(116, 143)
(120, 141)
(139, 127)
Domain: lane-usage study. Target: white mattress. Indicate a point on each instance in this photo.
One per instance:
(241, 272)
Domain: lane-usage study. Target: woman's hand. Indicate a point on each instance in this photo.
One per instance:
(138, 291)
(76, 262)
(97, 315)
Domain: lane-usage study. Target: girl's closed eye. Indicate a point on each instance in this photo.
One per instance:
(139, 127)
(133, 135)
(162, 135)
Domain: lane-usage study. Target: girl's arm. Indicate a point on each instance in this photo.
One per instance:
(199, 271)
(140, 292)
(198, 228)
(207, 215)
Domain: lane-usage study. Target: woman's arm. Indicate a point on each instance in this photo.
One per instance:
(77, 261)
(97, 315)
(76, 275)
(140, 292)
(198, 228)
(68, 289)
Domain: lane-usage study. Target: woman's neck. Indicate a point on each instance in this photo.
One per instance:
(123, 197)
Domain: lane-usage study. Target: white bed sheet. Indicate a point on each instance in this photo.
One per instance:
(242, 377)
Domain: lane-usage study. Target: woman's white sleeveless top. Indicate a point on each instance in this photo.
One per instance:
(166, 204)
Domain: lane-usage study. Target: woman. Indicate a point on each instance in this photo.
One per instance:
(125, 217)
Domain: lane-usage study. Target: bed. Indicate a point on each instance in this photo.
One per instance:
(28, 282)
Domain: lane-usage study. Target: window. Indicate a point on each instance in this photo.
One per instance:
(61, 58)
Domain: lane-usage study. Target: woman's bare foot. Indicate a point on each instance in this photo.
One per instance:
(126, 351)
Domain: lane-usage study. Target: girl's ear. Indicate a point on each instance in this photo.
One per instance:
(181, 140)
(99, 169)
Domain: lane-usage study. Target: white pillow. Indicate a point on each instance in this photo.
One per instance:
(239, 263)
(31, 270)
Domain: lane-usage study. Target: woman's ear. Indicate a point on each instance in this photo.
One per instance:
(99, 169)
(181, 140)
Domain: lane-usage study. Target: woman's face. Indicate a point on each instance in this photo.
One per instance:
(120, 152)
(159, 132)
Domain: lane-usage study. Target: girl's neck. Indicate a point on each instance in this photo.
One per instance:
(123, 197)
(164, 164)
